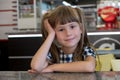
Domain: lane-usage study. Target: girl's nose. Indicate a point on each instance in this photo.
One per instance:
(68, 32)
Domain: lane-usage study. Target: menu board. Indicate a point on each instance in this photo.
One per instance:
(8, 12)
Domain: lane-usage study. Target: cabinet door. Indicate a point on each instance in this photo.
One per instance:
(21, 50)
(4, 55)
(19, 64)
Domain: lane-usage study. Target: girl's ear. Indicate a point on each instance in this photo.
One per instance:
(81, 28)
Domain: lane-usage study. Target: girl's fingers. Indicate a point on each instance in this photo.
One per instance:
(46, 70)
(32, 71)
(48, 27)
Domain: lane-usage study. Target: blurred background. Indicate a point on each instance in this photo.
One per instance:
(20, 35)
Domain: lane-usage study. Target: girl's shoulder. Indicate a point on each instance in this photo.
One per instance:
(88, 51)
(86, 48)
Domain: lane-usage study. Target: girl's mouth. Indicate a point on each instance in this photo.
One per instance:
(70, 39)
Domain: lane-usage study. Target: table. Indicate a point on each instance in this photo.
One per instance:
(24, 75)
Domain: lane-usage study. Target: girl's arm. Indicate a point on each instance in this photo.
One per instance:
(39, 60)
(79, 66)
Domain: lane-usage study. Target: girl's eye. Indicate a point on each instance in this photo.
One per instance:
(72, 26)
(61, 29)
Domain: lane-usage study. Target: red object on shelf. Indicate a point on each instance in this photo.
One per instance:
(109, 15)
(31, 1)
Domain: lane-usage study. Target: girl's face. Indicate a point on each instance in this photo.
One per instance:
(68, 35)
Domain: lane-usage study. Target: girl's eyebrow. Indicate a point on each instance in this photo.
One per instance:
(59, 26)
(62, 25)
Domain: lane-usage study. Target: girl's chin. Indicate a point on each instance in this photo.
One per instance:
(69, 45)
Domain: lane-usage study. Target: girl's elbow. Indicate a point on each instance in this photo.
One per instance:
(36, 68)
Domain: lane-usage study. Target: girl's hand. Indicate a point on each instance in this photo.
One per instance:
(47, 70)
(43, 71)
(48, 27)
(32, 71)
(50, 68)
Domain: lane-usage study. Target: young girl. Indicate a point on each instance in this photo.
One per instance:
(66, 47)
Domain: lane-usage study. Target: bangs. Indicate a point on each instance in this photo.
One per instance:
(66, 18)
(63, 15)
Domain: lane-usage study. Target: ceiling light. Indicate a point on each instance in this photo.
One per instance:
(66, 3)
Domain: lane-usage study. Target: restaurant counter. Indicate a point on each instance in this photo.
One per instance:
(24, 75)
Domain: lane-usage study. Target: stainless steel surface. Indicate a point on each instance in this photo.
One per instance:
(24, 75)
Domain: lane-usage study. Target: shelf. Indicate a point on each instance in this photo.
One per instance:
(117, 51)
(28, 14)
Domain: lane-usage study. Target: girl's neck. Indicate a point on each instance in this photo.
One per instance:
(68, 50)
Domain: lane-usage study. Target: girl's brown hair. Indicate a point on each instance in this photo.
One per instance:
(63, 15)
